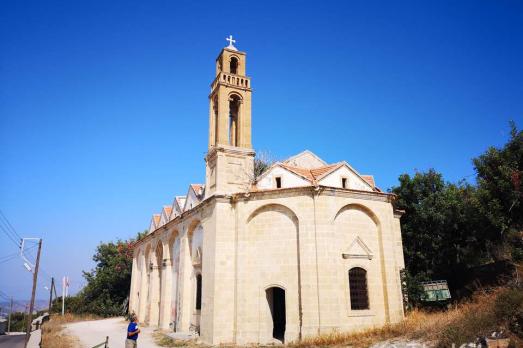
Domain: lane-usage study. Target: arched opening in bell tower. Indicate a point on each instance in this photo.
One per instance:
(234, 65)
(214, 137)
(234, 114)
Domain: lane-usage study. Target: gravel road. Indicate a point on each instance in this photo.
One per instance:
(91, 333)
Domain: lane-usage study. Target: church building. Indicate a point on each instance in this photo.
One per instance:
(305, 248)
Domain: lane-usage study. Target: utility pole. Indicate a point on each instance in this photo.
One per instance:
(51, 295)
(31, 307)
(9, 320)
(63, 296)
(65, 292)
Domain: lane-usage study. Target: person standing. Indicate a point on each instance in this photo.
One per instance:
(132, 333)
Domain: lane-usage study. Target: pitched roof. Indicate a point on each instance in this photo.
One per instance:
(307, 156)
(167, 209)
(198, 189)
(156, 218)
(155, 221)
(314, 174)
(180, 200)
(369, 179)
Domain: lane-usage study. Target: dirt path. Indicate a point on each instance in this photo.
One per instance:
(91, 333)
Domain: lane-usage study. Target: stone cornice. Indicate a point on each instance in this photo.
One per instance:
(270, 193)
(398, 213)
(325, 190)
(241, 53)
(232, 150)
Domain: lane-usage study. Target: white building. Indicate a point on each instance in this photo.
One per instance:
(306, 248)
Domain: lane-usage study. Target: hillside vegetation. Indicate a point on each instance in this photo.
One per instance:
(451, 229)
(485, 313)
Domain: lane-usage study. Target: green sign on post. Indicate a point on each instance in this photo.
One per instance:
(436, 291)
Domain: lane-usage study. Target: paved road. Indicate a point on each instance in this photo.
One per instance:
(14, 341)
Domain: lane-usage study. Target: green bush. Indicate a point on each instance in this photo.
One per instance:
(108, 283)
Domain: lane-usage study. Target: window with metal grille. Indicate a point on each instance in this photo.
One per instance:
(359, 293)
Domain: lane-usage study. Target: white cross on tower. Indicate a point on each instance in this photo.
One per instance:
(231, 41)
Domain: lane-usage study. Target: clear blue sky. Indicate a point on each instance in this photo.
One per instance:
(104, 111)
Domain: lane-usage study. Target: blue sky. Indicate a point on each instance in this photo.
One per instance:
(104, 110)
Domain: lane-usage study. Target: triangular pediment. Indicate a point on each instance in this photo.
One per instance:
(358, 250)
(305, 159)
(154, 223)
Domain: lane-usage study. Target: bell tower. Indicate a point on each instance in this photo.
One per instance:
(230, 159)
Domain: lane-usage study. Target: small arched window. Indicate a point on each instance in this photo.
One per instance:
(359, 293)
(234, 65)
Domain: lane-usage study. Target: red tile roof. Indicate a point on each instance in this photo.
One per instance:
(156, 219)
(198, 189)
(168, 209)
(369, 179)
(314, 174)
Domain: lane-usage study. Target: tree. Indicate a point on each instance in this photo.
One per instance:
(448, 228)
(108, 283)
(441, 228)
(262, 162)
(499, 175)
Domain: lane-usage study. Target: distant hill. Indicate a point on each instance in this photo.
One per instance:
(20, 306)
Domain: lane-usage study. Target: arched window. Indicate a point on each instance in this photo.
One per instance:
(359, 293)
(199, 292)
(216, 120)
(234, 65)
(234, 110)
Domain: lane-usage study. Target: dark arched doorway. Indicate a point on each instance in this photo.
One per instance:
(276, 300)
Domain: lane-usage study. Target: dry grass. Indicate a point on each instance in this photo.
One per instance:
(415, 326)
(418, 325)
(459, 325)
(165, 341)
(52, 330)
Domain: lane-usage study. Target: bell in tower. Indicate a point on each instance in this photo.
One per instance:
(230, 158)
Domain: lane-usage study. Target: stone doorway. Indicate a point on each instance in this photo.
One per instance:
(276, 300)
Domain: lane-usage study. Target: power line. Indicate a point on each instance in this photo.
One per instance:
(8, 298)
(3, 295)
(9, 257)
(11, 229)
(9, 224)
(2, 228)
(18, 253)
(29, 251)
